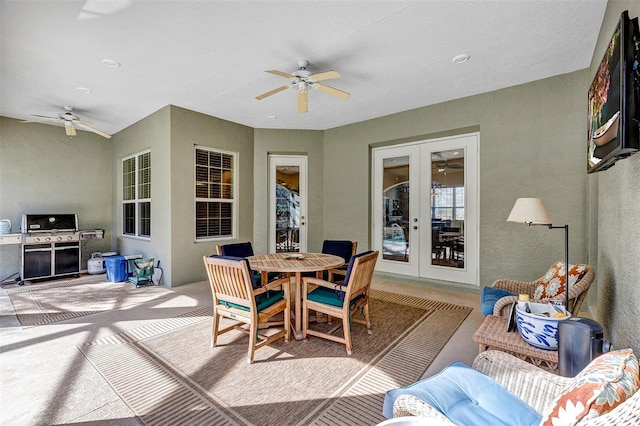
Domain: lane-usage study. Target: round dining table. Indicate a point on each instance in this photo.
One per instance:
(296, 264)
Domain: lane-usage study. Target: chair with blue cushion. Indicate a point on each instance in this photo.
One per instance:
(344, 301)
(243, 250)
(238, 296)
(498, 298)
(342, 248)
(461, 395)
(500, 389)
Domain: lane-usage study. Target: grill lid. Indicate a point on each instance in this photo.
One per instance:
(49, 223)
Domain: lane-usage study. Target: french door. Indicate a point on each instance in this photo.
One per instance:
(287, 203)
(425, 204)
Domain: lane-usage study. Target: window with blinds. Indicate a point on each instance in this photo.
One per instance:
(136, 195)
(215, 197)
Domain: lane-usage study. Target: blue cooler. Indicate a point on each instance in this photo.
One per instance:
(116, 268)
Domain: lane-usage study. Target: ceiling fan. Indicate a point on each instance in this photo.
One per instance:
(302, 80)
(70, 122)
(443, 166)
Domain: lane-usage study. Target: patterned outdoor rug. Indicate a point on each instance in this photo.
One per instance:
(167, 373)
(62, 300)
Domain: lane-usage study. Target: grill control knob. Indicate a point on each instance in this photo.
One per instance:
(37, 239)
(69, 238)
(59, 238)
(47, 239)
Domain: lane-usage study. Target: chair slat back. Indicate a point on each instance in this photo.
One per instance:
(361, 275)
(230, 281)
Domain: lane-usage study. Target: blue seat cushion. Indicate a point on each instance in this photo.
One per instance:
(326, 296)
(488, 298)
(266, 299)
(468, 398)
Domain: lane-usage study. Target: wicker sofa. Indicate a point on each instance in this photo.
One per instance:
(534, 386)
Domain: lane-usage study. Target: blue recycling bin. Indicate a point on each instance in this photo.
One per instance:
(116, 268)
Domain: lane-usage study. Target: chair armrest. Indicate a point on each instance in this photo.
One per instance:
(503, 306)
(341, 272)
(533, 385)
(306, 281)
(271, 285)
(515, 286)
(409, 405)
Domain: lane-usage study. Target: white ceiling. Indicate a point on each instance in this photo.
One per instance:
(210, 56)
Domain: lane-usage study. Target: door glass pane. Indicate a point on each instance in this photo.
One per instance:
(287, 209)
(447, 208)
(395, 184)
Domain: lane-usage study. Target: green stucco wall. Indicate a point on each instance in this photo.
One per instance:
(531, 145)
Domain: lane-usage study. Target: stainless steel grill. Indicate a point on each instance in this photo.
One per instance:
(50, 246)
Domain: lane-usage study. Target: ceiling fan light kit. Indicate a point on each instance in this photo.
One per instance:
(303, 80)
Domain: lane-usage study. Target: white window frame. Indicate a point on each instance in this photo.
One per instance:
(136, 200)
(233, 201)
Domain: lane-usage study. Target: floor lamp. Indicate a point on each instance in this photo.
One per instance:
(531, 211)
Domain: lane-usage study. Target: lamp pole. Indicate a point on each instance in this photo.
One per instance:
(566, 263)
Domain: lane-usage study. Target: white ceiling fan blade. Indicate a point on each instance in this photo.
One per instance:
(332, 91)
(280, 73)
(69, 129)
(303, 97)
(47, 118)
(96, 131)
(272, 92)
(37, 121)
(325, 75)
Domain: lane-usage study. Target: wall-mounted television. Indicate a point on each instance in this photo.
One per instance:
(614, 100)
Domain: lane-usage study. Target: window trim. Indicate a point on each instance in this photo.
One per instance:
(233, 201)
(135, 201)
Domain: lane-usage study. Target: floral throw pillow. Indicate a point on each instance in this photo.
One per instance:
(603, 385)
(553, 282)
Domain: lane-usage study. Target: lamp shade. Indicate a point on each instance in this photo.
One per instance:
(530, 211)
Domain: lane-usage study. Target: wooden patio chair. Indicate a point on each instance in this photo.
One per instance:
(245, 249)
(236, 295)
(340, 300)
(343, 248)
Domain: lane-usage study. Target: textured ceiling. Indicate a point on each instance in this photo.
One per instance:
(210, 56)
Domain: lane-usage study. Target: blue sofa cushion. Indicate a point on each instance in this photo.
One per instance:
(488, 298)
(467, 397)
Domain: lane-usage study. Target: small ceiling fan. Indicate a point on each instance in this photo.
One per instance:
(443, 166)
(70, 122)
(302, 80)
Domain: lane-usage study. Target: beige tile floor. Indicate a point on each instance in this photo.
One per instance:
(44, 379)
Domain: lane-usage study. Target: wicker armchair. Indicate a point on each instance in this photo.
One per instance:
(531, 384)
(577, 292)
